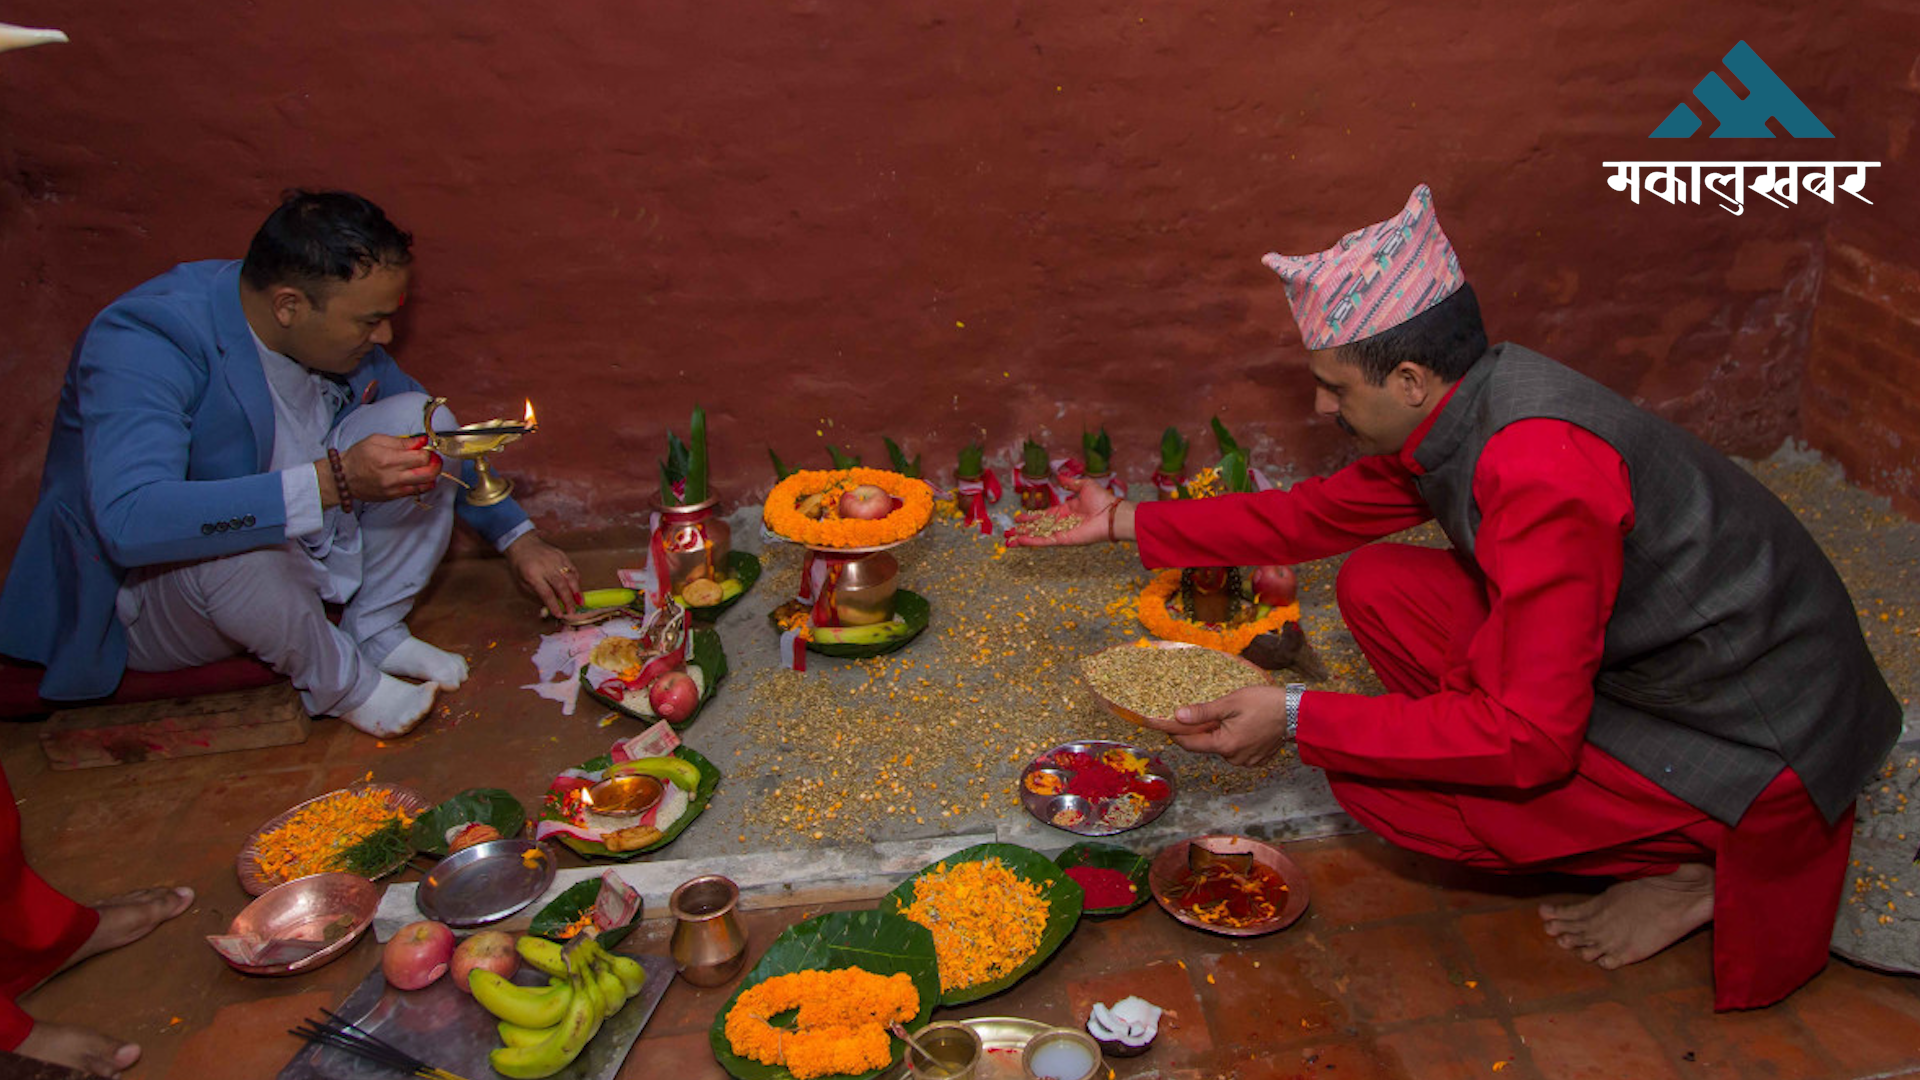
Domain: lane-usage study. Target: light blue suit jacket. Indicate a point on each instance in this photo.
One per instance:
(159, 454)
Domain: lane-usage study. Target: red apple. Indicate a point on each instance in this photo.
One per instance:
(866, 502)
(417, 955)
(489, 949)
(674, 696)
(1275, 586)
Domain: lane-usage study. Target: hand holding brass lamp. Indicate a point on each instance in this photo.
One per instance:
(474, 442)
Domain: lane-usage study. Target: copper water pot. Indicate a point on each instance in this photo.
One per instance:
(864, 593)
(689, 555)
(709, 941)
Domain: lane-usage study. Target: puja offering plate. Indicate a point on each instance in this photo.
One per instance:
(257, 881)
(883, 944)
(1260, 677)
(559, 806)
(486, 882)
(1096, 788)
(566, 909)
(1002, 1039)
(1131, 865)
(911, 613)
(741, 567)
(444, 1026)
(1212, 895)
(492, 807)
(1063, 897)
(703, 652)
(331, 910)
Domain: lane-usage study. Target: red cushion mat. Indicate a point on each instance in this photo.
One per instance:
(20, 685)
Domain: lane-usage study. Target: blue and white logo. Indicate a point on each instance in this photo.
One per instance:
(1768, 98)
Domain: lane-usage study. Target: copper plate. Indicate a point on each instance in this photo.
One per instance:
(314, 907)
(1170, 866)
(1124, 713)
(257, 882)
(1092, 822)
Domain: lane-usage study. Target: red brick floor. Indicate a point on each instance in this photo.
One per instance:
(1401, 967)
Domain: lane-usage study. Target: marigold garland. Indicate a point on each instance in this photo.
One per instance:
(782, 515)
(841, 1026)
(1167, 626)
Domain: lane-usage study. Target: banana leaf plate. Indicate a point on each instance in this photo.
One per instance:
(483, 806)
(908, 606)
(1110, 857)
(706, 653)
(576, 900)
(697, 801)
(742, 567)
(1063, 895)
(870, 940)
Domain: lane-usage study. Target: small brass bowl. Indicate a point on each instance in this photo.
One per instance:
(625, 796)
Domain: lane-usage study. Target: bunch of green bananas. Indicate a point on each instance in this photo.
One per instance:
(546, 1027)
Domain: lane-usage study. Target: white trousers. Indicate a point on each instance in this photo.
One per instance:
(271, 602)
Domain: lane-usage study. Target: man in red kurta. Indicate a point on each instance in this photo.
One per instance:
(1632, 662)
(43, 932)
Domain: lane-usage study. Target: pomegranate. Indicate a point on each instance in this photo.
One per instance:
(417, 955)
(674, 696)
(489, 949)
(866, 502)
(1275, 586)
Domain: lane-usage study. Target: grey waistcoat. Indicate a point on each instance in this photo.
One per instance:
(1733, 648)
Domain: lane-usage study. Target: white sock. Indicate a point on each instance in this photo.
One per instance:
(396, 705)
(415, 659)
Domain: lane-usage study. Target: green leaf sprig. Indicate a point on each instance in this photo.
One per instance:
(1034, 460)
(1098, 450)
(899, 458)
(1173, 452)
(971, 461)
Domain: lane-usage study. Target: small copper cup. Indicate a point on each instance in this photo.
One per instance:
(709, 942)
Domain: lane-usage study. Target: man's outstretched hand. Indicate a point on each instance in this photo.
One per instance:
(1090, 503)
(382, 467)
(546, 572)
(1247, 727)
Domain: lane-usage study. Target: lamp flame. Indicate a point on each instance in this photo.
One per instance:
(532, 421)
(586, 796)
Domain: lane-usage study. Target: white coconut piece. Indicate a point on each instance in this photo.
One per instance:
(23, 37)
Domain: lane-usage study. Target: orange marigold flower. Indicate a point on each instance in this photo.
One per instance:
(783, 516)
(840, 1027)
(1232, 639)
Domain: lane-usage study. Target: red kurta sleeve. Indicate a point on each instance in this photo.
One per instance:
(1555, 506)
(1371, 498)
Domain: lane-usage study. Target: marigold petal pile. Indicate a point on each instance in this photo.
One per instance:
(986, 920)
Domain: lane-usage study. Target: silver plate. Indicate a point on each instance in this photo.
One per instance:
(445, 1028)
(485, 882)
(1092, 821)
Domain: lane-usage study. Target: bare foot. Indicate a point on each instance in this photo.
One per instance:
(1634, 919)
(78, 1048)
(129, 917)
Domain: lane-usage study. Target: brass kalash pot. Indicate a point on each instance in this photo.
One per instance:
(864, 594)
(696, 542)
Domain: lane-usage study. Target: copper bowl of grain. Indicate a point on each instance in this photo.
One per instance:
(1149, 679)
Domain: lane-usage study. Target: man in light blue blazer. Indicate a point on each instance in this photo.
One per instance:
(234, 450)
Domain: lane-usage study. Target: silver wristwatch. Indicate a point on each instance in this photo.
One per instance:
(1294, 690)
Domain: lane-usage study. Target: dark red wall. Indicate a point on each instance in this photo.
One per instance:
(1864, 362)
(935, 221)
